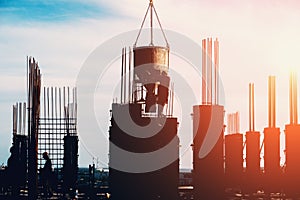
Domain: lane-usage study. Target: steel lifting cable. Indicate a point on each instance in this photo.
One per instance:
(151, 6)
(142, 25)
(161, 27)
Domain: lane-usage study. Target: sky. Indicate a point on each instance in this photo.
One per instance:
(257, 39)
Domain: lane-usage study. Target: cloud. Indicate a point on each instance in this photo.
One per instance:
(49, 11)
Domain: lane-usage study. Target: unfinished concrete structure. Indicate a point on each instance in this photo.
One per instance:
(16, 171)
(271, 142)
(234, 146)
(142, 124)
(208, 130)
(20, 178)
(292, 141)
(253, 172)
(39, 126)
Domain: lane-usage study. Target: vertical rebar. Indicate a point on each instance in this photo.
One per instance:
(76, 104)
(291, 98)
(250, 119)
(273, 117)
(24, 119)
(209, 72)
(51, 101)
(251, 107)
(72, 112)
(48, 106)
(55, 102)
(48, 119)
(56, 121)
(59, 99)
(228, 123)
(253, 114)
(20, 118)
(204, 73)
(272, 101)
(125, 74)
(27, 71)
(122, 67)
(15, 119)
(68, 96)
(173, 88)
(269, 101)
(167, 106)
(129, 78)
(53, 124)
(29, 98)
(238, 122)
(68, 112)
(216, 62)
(44, 113)
(232, 122)
(295, 99)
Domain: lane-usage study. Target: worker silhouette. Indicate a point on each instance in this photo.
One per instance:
(13, 171)
(47, 175)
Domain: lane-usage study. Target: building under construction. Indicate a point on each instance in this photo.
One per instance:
(143, 137)
(248, 164)
(47, 124)
(58, 136)
(208, 130)
(142, 123)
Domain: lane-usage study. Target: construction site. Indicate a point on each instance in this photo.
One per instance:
(238, 165)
